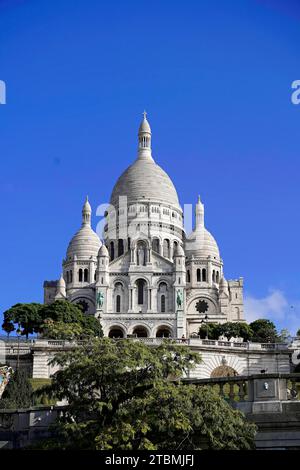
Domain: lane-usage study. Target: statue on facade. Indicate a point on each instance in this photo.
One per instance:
(141, 256)
(100, 299)
(179, 299)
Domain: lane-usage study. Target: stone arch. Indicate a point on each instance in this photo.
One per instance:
(166, 248)
(141, 331)
(163, 296)
(155, 244)
(141, 291)
(116, 332)
(141, 253)
(164, 331)
(89, 300)
(118, 296)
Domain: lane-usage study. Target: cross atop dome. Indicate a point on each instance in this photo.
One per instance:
(145, 114)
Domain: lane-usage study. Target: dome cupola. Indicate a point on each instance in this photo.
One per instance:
(200, 243)
(144, 180)
(85, 243)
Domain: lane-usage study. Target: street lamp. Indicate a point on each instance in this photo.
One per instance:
(203, 322)
(99, 325)
(18, 356)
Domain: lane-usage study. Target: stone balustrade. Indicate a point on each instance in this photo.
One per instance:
(283, 387)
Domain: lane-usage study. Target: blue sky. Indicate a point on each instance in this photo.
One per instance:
(215, 78)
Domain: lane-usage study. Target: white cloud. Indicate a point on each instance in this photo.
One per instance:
(276, 307)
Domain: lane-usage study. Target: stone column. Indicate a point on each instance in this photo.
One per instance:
(209, 272)
(149, 298)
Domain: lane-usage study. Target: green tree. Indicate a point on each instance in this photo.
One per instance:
(18, 391)
(50, 319)
(60, 330)
(264, 331)
(212, 329)
(27, 316)
(126, 395)
(236, 329)
(77, 324)
(298, 333)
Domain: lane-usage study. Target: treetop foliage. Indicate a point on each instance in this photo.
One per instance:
(125, 395)
(50, 319)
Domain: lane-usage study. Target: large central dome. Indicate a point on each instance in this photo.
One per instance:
(144, 179)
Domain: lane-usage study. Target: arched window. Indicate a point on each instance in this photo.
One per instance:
(120, 247)
(217, 277)
(166, 248)
(86, 275)
(175, 247)
(155, 245)
(71, 276)
(204, 275)
(188, 276)
(140, 286)
(214, 276)
(95, 276)
(118, 303)
(68, 279)
(112, 251)
(80, 275)
(128, 243)
(198, 275)
(163, 304)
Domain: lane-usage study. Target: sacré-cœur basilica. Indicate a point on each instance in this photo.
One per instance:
(147, 278)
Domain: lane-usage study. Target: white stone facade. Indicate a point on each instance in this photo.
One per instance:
(147, 277)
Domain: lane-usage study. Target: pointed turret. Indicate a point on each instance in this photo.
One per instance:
(144, 138)
(61, 289)
(86, 212)
(199, 214)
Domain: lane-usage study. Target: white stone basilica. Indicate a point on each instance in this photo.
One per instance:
(148, 278)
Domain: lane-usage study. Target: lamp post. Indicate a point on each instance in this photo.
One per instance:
(99, 325)
(18, 356)
(203, 322)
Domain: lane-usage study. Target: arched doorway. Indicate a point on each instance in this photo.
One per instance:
(163, 332)
(140, 332)
(224, 371)
(115, 332)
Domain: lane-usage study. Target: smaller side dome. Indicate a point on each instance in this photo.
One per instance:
(85, 243)
(201, 243)
(103, 251)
